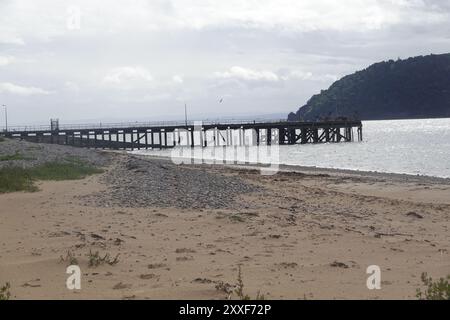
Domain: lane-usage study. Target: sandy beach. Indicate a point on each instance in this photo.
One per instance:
(182, 231)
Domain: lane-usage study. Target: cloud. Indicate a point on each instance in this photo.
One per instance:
(6, 38)
(305, 76)
(270, 55)
(8, 87)
(6, 60)
(99, 17)
(71, 86)
(245, 74)
(177, 79)
(128, 76)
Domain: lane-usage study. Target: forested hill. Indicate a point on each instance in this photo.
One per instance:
(404, 89)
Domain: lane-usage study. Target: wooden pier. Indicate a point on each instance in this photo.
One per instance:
(160, 135)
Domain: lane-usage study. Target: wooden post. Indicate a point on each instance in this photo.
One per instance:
(303, 132)
(152, 141)
(327, 134)
(315, 135)
(292, 136)
(88, 139)
(165, 138)
(281, 135)
(146, 139)
(240, 136)
(175, 135)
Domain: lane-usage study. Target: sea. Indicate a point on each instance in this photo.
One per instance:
(415, 147)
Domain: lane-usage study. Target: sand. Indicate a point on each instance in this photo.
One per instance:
(307, 234)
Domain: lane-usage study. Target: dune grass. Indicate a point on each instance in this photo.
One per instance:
(15, 156)
(22, 179)
(63, 171)
(16, 179)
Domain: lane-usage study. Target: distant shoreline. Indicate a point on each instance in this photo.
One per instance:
(319, 170)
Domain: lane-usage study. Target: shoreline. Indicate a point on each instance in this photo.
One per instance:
(318, 170)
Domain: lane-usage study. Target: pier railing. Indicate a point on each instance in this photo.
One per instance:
(148, 124)
(168, 134)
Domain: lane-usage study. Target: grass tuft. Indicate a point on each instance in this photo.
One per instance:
(63, 171)
(22, 179)
(70, 258)
(435, 290)
(14, 157)
(96, 260)
(16, 179)
(4, 292)
(240, 287)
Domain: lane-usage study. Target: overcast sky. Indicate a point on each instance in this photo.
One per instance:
(142, 59)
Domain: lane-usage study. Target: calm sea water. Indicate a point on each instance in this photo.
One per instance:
(418, 147)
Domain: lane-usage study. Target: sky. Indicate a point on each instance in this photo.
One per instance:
(141, 60)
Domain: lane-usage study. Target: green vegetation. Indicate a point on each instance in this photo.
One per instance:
(2, 139)
(22, 179)
(15, 156)
(16, 179)
(4, 292)
(402, 89)
(435, 290)
(63, 171)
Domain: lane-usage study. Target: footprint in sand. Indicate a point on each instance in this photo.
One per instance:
(121, 286)
(186, 258)
(148, 276)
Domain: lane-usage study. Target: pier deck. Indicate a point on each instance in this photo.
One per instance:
(131, 136)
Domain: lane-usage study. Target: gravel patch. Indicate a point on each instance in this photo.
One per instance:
(137, 182)
(38, 153)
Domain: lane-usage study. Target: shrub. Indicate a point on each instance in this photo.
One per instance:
(435, 290)
(21, 179)
(4, 292)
